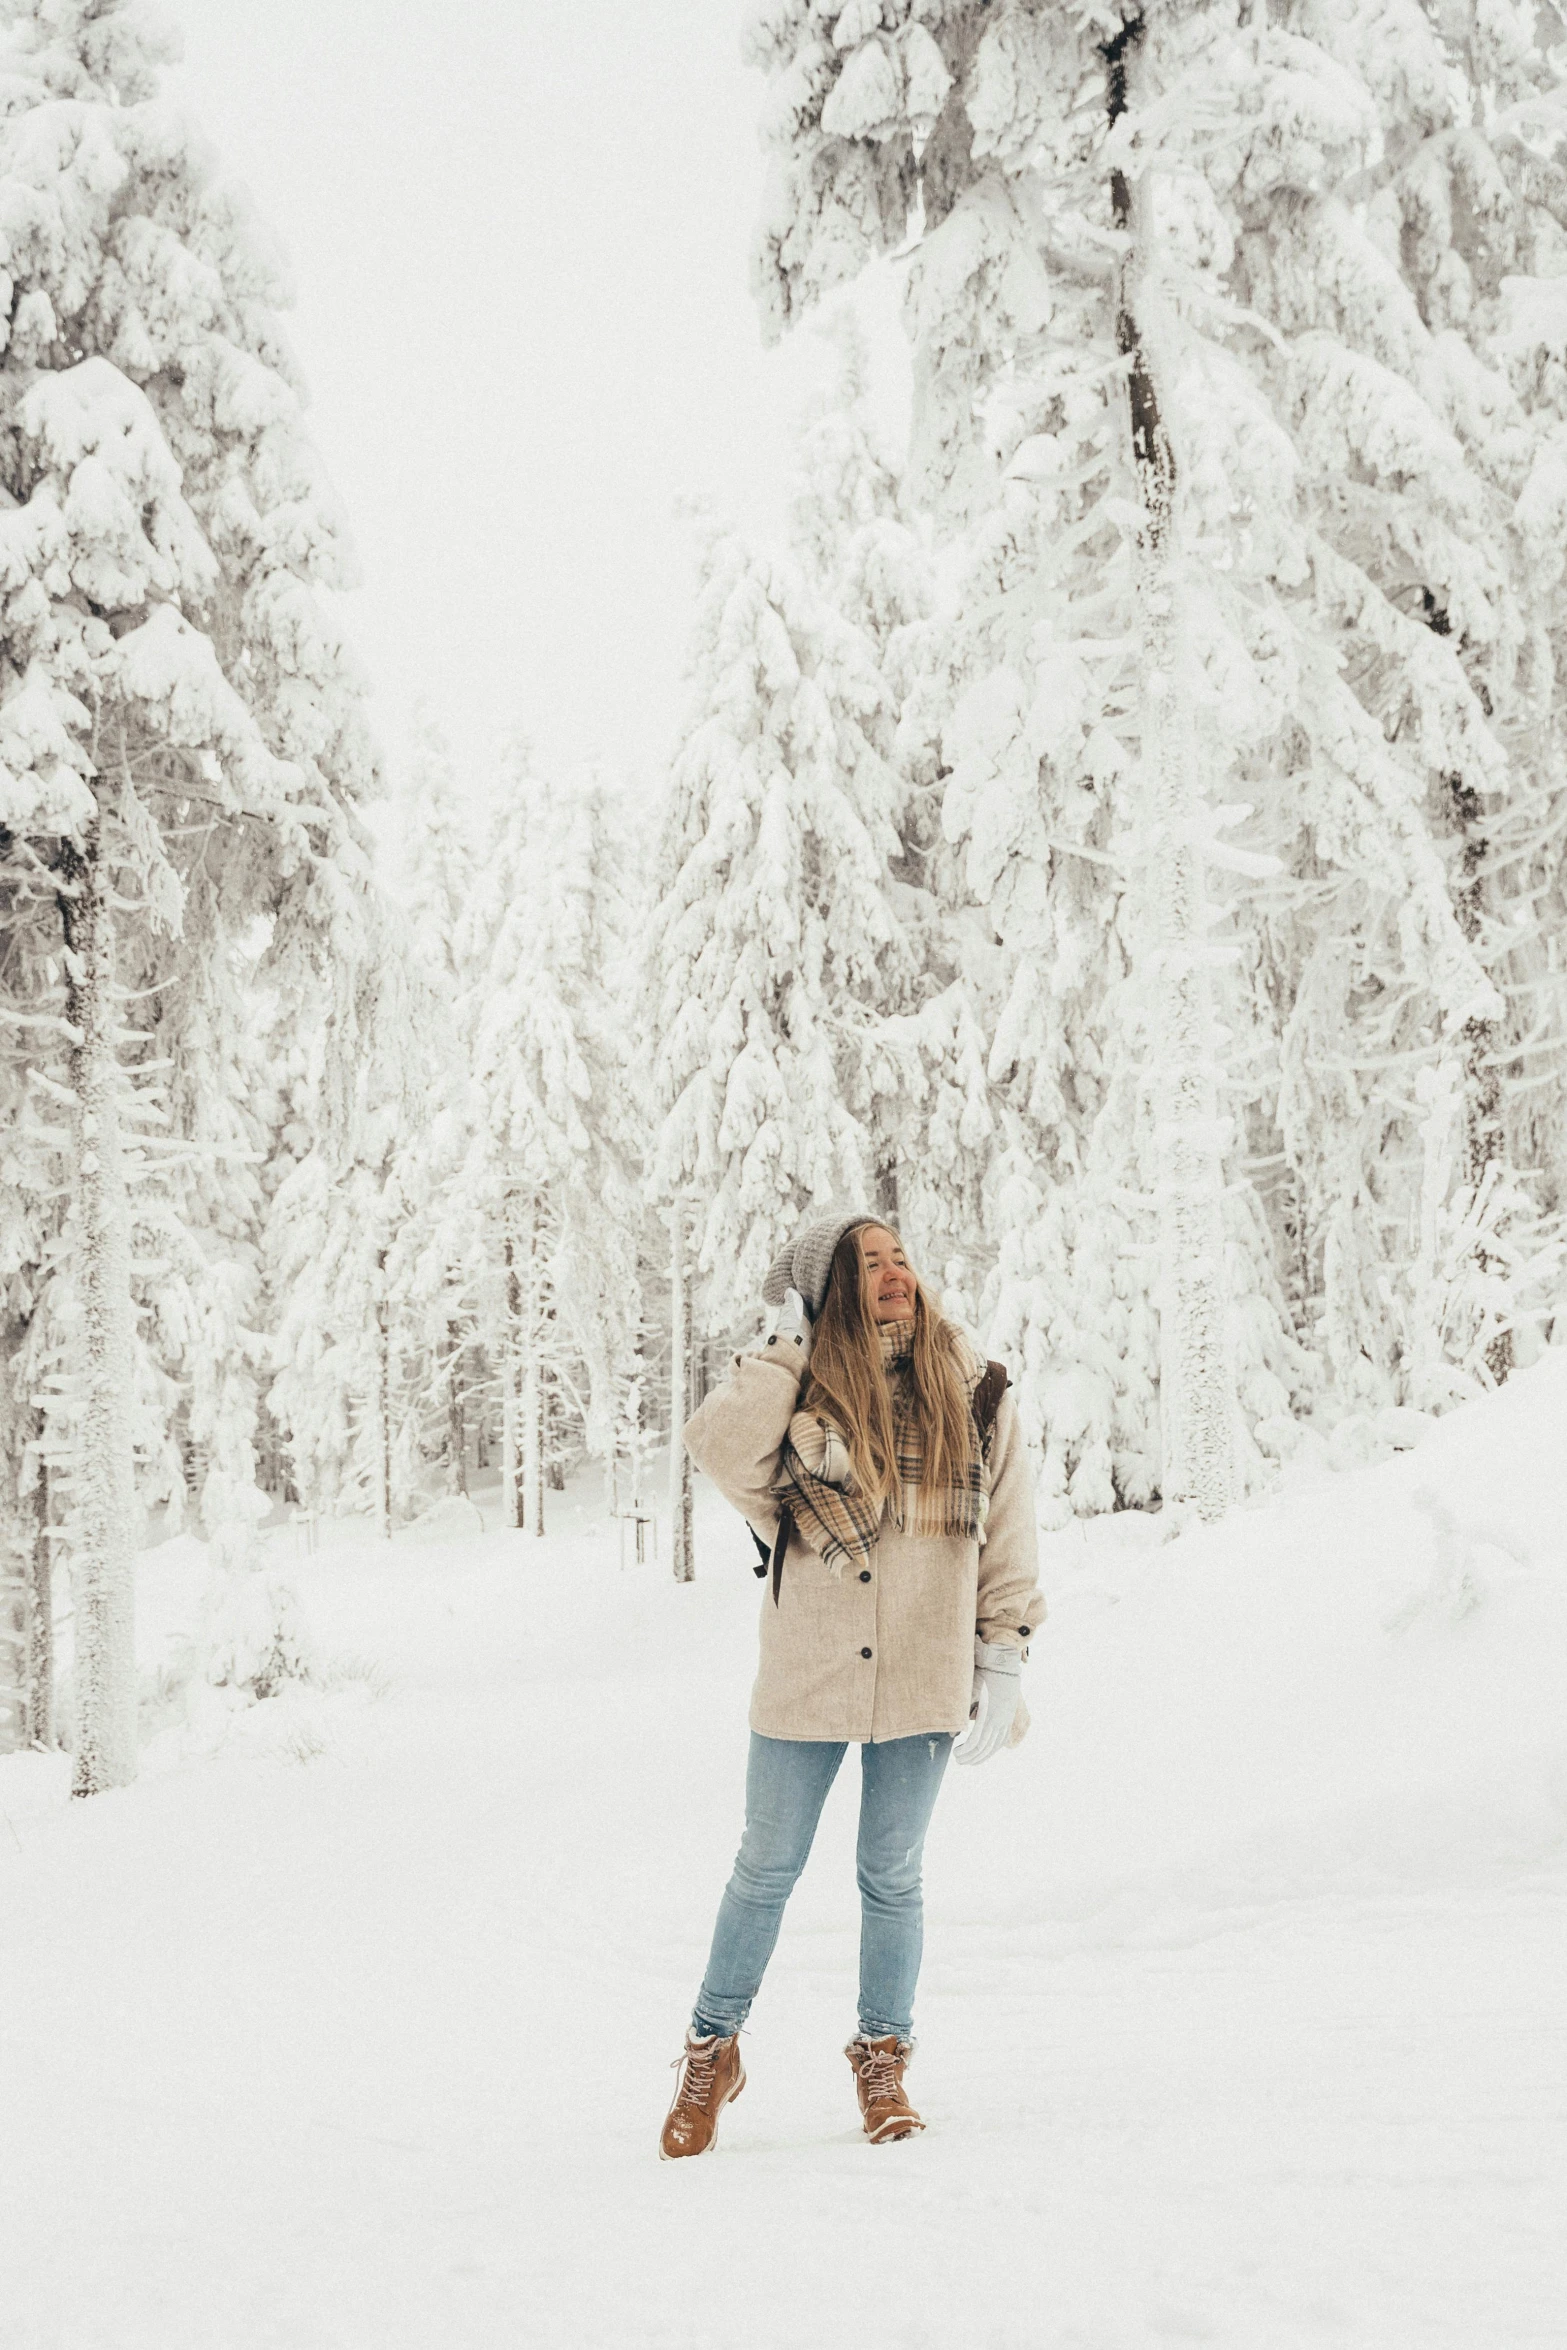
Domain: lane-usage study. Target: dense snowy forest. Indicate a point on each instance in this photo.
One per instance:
(1118, 836)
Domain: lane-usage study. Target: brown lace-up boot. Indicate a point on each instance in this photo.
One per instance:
(710, 2075)
(878, 2072)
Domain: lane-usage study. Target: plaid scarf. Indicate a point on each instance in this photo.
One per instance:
(834, 1519)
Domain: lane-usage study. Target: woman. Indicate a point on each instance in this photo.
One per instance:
(865, 1443)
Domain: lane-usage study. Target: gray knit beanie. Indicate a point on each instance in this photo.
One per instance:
(805, 1262)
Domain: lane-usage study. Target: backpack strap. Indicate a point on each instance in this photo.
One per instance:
(987, 1401)
(773, 1557)
(780, 1545)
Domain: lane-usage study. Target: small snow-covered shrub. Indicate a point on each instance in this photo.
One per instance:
(257, 1637)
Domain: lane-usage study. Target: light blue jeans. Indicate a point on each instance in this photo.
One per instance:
(786, 1784)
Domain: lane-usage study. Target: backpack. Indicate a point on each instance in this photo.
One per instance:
(985, 1404)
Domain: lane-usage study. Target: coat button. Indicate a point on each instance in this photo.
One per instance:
(865, 1652)
(865, 1574)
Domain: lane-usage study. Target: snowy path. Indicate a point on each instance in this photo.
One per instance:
(367, 2049)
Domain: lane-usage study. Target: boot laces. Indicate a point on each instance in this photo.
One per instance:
(879, 2072)
(701, 2071)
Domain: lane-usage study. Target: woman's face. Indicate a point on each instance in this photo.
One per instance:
(892, 1283)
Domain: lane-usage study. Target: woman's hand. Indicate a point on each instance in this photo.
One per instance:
(998, 1687)
(794, 1327)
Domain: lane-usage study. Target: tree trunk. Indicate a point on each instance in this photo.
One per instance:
(533, 1396)
(1196, 1379)
(38, 1669)
(456, 1421)
(555, 1424)
(13, 1657)
(16, 1591)
(681, 1547)
(528, 1378)
(532, 1445)
(1480, 1040)
(383, 1395)
(103, 1479)
(511, 1491)
(36, 1563)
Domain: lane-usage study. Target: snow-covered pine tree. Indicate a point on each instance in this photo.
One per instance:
(465, 1238)
(682, 1388)
(432, 861)
(776, 938)
(334, 1228)
(1389, 947)
(927, 1103)
(1481, 203)
(197, 1218)
(849, 525)
(29, 1224)
(632, 1316)
(549, 1187)
(1035, 767)
(775, 944)
(434, 877)
(1196, 1376)
(179, 730)
(1347, 467)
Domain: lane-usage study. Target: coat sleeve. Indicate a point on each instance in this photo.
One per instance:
(1010, 1604)
(736, 1434)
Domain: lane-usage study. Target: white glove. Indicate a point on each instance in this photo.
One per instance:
(998, 1688)
(793, 1329)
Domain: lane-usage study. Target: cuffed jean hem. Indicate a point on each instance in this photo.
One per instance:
(704, 2027)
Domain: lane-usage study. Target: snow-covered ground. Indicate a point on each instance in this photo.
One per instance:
(1242, 2023)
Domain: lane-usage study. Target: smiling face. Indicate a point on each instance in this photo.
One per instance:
(890, 1282)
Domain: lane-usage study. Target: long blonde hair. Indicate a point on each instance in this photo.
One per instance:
(847, 1379)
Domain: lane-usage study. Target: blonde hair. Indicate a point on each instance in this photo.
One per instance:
(847, 1379)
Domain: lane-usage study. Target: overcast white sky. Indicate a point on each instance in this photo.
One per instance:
(519, 231)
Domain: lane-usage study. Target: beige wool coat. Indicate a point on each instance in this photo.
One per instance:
(887, 1652)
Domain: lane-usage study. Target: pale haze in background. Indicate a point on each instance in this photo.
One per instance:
(519, 238)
